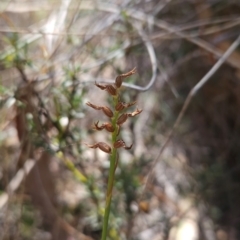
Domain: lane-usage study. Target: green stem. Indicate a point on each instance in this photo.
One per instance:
(113, 162)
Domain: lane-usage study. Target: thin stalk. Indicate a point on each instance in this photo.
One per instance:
(113, 162)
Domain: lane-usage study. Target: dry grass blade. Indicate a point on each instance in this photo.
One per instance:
(141, 16)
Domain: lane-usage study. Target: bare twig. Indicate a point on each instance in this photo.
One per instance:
(152, 56)
(192, 93)
(230, 22)
(196, 33)
(141, 16)
(201, 43)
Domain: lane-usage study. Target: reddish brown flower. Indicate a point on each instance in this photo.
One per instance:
(107, 111)
(119, 79)
(102, 146)
(122, 119)
(121, 105)
(108, 126)
(111, 90)
(121, 143)
(114, 125)
(94, 106)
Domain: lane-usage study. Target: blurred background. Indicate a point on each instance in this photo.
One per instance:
(52, 186)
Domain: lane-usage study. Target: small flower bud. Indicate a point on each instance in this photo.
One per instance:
(111, 90)
(121, 143)
(122, 119)
(121, 105)
(107, 111)
(102, 146)
(119, 79)
(109, 127)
